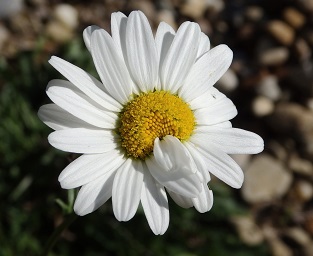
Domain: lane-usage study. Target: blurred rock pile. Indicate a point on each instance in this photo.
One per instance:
(270, 81)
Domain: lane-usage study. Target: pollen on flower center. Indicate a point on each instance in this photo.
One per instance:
(151, 115)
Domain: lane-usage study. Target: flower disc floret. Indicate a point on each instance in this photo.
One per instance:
(153, 115)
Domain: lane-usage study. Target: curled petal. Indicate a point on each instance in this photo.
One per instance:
(172, 167)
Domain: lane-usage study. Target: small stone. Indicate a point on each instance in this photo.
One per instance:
(307, 4)
(254, 13)
(58, 32)
(269, 88)
(168, 17)
(9, 8)
(242, 160)
(309, 103)
(274, 56)
(309, 223)
(215, 5)
(298, 235)
(147, 7)
(295, 18)
(67, 15)
(279, 248)
(265, 180)
(248, 231)
(194, 8)
(228, 82)
(262, 106)
(303, 50)
(281, 31)
(308, 249)
(300, 166)
(304, 190)
(296, 122)
(277, 150)
(4, 35)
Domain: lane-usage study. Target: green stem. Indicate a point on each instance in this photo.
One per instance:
(57, 233)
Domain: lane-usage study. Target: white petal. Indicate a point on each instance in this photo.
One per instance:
(58, 119)
(226, 124)
(231, 141)
(199, 161)
(118, 29)
(88, 168)
(206, 99)
(110, 66)
(172, 167)
(222, 111)
(204, 202)
(221, 165)
(155, 204)
(85, 83)
(204, 45)
(94, 194)
(141, 52)
(206, 71)
(66, 96)
(87, 35)
(81, 140)
(180, 57)
(182, 201)
(127, 189)
(163, 40)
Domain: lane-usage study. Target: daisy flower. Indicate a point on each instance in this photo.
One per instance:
(153, 127)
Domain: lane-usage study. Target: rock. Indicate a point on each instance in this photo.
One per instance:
(215, 5)
(299, 235)
(4, 35)
(274, 56)
(303, 50)
(300, 79)
(265, 180)
(281, 31)
(307, 4)
(300, 166)
(296, 122)
(279, 248)
(304, 190)
(294, 18)
(254, 13)
(277, 150)
(309, 223)
(67, 15)
(262, 106)
(65, 21)
(242, 160)
(309, 103)
(147, 7)
(248, 231)
(228, 82)
(269, 88)
(168, 17)
(9, 8)
(308, 249)
(58, 32)
(194, 8)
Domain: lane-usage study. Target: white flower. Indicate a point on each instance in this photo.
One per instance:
(154, 124)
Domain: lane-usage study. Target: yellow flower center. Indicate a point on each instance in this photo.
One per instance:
(151, 115)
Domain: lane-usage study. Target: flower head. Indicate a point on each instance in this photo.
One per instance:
(155, 123)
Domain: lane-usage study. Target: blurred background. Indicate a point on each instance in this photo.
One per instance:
(270, 82)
